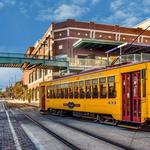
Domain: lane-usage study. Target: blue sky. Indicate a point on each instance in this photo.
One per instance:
(22, 22)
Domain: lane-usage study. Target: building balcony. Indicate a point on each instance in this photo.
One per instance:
(81, 63)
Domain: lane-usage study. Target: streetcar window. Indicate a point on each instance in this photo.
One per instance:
(144, 82)
(103, 93)
(62, 91)
(70, 90)
(54, 91)
(76, 91)
(111, 87)
(58, 91)
(66, 90)
(81, 86)
(49, 92)
(88, 88)
(95, 88)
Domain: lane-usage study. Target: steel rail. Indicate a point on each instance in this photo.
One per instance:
(61, 139)
(94, 135)
(64, 141)
(114, 143)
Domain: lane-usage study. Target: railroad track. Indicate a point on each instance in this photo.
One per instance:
(114, 143)
(20, 138)
(47, 130)
(69, 144)
(93, 135)
(145, 129)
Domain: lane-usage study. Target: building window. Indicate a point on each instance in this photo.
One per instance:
(32, 76)
(95, 88)
(36, 75)
(40, 73)
(81, 86)
(103, 93)
(111, 87)
(46, 71)
(60, 47)
(88, 88)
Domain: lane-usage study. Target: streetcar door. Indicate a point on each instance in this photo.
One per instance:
(136, 98)
(131, 96)
(126, 96)
(42, 91)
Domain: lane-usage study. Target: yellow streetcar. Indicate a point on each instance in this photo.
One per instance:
(113, 94)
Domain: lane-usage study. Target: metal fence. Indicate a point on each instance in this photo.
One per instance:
(134, 58)
(19, 55)
(92, 63)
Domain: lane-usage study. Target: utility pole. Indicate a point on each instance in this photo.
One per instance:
(44, 44)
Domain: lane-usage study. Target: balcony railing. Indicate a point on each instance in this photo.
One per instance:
(88, 63)
(134, 58)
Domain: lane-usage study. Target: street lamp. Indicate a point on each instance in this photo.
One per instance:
(44, 44)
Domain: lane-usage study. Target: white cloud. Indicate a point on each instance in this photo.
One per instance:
(64, 11)
(80, 2)
(146, 2)
(1, 5)
(124, 18)
(126, 12)
(4, 3)
(23, 9)
(9, 75)
(116, 4)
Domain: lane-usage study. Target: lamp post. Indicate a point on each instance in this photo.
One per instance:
(44, 44)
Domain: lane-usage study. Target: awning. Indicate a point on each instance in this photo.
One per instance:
(131, 48)
(94, 43)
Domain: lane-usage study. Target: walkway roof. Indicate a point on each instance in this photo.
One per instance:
(14, 60)
(95, 43)
(131, 48)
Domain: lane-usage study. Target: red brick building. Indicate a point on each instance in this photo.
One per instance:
(59, 40)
